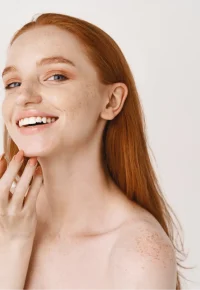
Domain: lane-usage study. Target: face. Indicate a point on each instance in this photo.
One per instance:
(71, 92)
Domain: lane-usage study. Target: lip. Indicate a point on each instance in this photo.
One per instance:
(32, 113)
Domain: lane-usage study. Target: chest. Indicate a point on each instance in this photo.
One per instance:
(66, 266)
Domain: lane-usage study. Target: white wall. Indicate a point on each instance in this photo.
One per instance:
(161, 40)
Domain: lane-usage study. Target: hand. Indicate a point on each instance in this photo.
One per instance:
(18, 217)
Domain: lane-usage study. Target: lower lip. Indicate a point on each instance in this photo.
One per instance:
(35, 129)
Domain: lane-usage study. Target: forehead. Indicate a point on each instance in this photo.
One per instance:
(46, 41)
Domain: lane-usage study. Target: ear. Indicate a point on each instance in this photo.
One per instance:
(114, 101)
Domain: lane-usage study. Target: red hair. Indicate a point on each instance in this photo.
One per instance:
(125, 144)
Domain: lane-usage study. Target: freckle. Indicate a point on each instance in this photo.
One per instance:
(152, 245)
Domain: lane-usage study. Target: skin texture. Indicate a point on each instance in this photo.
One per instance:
(144, 257)
(82, 215)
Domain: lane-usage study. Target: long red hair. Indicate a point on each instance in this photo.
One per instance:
(125, 143)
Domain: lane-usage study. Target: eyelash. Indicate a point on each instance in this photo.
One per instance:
(9, 88)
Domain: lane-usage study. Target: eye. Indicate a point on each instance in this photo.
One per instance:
(10, 86)
(59, 77)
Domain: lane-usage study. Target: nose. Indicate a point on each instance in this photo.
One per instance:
(29, 93)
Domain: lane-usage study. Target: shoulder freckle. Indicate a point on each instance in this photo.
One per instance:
(151, 245)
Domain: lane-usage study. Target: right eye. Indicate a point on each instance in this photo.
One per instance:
(10, 86)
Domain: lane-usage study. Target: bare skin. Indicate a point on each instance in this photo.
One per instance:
(83, 217)
(117, 259)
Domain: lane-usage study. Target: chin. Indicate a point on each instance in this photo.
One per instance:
(34, 150)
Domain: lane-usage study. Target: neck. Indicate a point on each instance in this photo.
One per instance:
(76, 195)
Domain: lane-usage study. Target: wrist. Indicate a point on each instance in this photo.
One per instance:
(17, 245)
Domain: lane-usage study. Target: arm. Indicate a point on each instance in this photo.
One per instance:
(14, 261)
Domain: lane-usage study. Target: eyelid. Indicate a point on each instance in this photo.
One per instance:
(9, 81)
(56, 72)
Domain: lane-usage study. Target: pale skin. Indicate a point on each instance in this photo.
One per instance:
(89, 235)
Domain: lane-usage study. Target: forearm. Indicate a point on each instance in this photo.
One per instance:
(14, 261)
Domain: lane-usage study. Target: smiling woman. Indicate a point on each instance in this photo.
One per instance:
(100, 200)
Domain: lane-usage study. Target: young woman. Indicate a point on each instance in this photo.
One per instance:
(92, 215)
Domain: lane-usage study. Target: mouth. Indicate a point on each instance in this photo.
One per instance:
(36, 128)
(36, 124)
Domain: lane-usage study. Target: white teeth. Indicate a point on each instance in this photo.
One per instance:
(44, 119)
(38, 119)
(34, 120)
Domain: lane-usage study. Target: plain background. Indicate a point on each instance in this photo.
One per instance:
(161, 41)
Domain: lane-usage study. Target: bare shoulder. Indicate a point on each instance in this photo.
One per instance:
(143, 256)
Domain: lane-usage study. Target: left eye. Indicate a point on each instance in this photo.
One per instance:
(57, 77)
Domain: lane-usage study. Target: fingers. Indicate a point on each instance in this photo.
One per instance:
(3, 165)
(31, 197)
(18, 217)
(23, 184)
(18, 201)
(10, 174)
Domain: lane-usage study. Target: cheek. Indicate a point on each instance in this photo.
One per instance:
(6, 110)
(80, 104)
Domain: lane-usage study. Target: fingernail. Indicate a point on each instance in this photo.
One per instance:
(19, 156)
(32, 161)
(2, 156)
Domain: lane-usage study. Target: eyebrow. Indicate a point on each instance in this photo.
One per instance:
(44, 61)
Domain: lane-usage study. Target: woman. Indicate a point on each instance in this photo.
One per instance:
(101, 219)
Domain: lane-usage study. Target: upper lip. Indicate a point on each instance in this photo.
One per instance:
(32, 113)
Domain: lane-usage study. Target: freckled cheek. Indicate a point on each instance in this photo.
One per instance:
(61, 98)
(76, 112)
(81, 110)
(74, 105)
(7, 110)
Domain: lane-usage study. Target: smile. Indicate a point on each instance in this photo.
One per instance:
(35, 128)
